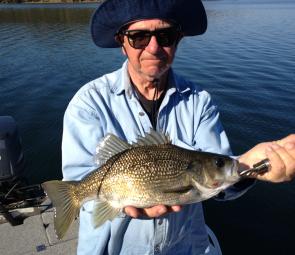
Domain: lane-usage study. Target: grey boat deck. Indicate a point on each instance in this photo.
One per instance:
(36, 236)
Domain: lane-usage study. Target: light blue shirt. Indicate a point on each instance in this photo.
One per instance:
(109, 105)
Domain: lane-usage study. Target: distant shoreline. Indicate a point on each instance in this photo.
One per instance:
(48, 1)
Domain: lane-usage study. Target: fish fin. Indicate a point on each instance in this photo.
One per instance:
(152, 138)
(66, 206)
(109, 146)
(102, 212)
(179, 190)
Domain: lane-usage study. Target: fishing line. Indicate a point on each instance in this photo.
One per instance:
(155, 103)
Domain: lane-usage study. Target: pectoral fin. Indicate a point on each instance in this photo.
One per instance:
(102, 212)
(179, 190)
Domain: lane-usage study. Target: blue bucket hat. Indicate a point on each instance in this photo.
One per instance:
(111, 15)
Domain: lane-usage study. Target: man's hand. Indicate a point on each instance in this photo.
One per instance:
(152, 212)
(281, 154)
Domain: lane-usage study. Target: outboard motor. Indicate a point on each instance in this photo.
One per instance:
(11, 154)
(11, 166)
(15, 194)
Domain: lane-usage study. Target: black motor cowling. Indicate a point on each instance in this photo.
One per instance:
(11, 154)
(14, 192)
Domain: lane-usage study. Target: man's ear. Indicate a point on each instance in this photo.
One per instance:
(123, 50)
(120, 40)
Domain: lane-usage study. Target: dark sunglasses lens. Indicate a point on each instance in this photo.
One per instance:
(139, 39)
(167, 37)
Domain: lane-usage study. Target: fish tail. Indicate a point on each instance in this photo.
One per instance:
(62, 196)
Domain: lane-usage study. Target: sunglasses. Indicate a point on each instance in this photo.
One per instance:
(139, 39)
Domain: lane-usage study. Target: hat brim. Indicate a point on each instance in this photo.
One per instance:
(111, 15)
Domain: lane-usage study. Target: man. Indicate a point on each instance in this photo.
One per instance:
(145, 93)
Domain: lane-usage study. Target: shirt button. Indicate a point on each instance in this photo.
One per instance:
(141, 113)
(160, 222)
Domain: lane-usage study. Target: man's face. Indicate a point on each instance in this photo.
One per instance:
(152, 61)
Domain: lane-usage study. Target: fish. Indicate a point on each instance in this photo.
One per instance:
(149, 172)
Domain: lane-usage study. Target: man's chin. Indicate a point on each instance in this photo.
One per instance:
(155, 73)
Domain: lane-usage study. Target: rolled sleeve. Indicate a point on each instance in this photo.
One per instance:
(236, 190)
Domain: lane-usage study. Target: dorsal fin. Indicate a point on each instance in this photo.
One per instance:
(152, 138)
(109, 146)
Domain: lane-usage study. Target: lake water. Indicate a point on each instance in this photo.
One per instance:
(246, 60)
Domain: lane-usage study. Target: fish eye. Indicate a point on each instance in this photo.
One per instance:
(219, 162)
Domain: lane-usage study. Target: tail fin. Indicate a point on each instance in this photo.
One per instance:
(61, 194)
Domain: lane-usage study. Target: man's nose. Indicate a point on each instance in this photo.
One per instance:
(153, 45)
